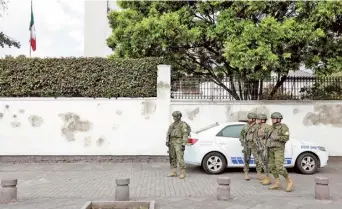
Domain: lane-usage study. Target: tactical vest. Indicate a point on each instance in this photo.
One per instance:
(251, 133)
(276, 131)
(176, 132)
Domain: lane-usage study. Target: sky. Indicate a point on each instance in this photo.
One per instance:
(59, 27)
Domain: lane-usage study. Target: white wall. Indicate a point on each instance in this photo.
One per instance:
(47, 126)
(86, 126)
(313, 121)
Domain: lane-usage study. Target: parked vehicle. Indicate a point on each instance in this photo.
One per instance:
(217, 147)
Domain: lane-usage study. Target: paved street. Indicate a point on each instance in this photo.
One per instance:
(45, 186)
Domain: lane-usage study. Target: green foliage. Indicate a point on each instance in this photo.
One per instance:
(78, 77)
(244, 40)
(325, 54)
(279, 95)
(324, 89)
(4, 39)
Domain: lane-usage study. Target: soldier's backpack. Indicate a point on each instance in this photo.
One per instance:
(189, 128)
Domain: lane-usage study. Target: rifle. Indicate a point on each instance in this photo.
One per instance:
(259, 145)
(266, 152)
(169, 151)
(172, 126)
(245, 147)
(258, 142)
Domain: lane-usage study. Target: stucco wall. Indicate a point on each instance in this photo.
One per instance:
(82, 126)
(137, 126)
(313, 121)
(76, 127)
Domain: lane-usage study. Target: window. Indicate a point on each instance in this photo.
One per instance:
(232, 131)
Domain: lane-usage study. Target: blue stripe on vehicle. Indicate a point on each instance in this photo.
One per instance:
(240, 161)
(287, 161)
(234, 160)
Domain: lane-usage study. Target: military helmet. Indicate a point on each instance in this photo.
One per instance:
(176, 114)
(251, 115)
(276, 115)
(262, 117)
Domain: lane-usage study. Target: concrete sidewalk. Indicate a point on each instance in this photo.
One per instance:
(44, 186)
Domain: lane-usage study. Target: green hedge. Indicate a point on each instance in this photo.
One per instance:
(78, 77)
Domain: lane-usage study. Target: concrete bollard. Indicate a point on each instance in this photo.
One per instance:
(122, 189)
(322, 188)
(223, 189)
(8, 192)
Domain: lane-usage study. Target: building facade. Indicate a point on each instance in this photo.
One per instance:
(96, 27)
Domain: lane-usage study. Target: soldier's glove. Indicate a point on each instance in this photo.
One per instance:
(167, 144)
(183, 147)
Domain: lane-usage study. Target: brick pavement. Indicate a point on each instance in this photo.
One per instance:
(71, 185)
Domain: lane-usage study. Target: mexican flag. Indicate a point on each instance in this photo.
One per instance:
(32, 31)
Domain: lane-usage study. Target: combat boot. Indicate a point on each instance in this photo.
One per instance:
(289, 184)
(260, 176)
(246, 177)
(266, 181)
(173, 173)
(182, 176)
(275, 185)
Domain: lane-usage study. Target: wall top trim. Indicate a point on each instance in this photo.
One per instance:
(71, 99)
(253, 102)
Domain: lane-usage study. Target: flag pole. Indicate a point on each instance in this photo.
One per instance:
(30, 31)
(30, 47)
(108, 9)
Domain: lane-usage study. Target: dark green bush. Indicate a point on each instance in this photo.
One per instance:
(324, 88)
(78, 77)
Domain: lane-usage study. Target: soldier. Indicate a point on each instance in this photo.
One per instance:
(279, 135)
(177, 138)
(263, 130)
(248, 141)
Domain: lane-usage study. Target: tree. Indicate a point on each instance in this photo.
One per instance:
(4, 39)
(241, 41)
(324, 89)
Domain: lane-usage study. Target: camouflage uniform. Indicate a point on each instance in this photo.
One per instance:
(177, 138)
(263, 131)
(248, 135)
(276, 143)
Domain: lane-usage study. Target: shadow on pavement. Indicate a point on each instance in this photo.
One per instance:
(332, 167)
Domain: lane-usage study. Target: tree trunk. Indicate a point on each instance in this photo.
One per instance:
(261, 88)
(254, 89)
(245, 90)
(240, 88)
(276, 87)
